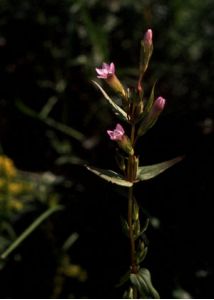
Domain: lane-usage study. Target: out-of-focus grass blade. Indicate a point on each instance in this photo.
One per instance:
(30, 229)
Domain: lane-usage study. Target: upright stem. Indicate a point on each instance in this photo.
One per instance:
(133, 134)
(130, 207)
(131, 176)
(131, 235)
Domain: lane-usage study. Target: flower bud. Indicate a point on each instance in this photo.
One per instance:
(107, 72)
(146, 53)
(148, 37)
(159, 105)
(135, 212)
(118, 135)
(152, 116)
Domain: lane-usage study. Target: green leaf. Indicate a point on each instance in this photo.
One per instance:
(142, 281)
(142, 255)
(148, 172)
(117, 109)
(149, 102)
(144, 228)
(110, 176)
(125, 226)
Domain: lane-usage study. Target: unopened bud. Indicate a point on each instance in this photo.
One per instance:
(159, 104)
(135, 211)
(148, 37)
(152, 117)
(146, 53)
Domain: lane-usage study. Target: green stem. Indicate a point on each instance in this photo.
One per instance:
(131, 175)
(131, 235)
(133, 134)
(30, 229)
(130, 207)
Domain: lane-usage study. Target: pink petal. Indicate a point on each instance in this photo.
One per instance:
(99, 71)
(111, 134)
(120, 129)
(112, 68)
(159, 103)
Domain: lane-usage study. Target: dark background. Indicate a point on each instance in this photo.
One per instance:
(50, 49)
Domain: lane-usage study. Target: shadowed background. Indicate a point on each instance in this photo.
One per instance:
(53, 119)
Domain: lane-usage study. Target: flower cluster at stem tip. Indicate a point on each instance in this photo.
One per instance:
(107, 72)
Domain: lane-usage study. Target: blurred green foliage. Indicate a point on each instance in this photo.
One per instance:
(48, 106)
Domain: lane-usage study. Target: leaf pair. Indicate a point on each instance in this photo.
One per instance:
(142, 281)
(144, 173)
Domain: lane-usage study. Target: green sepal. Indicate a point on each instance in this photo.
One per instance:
(145, 55)
(142, 281)
(116, 108)
(149, 172)
(110, 176)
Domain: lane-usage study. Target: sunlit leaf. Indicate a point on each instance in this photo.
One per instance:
(142, 281)
(148, 172)
(110, 176)
(117, 109)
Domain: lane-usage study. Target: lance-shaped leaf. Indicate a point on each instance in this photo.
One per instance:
(148, 172)
(142, 281)
(148, 104)
(143, 229)
(142, 255)
(150, 101)
(110, 176)
(116, 108)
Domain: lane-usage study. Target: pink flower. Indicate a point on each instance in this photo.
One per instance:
(117, 134)
(106, 71)
(148, 37)
(159, 104)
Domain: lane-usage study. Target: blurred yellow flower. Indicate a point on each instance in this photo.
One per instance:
(7, 167)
